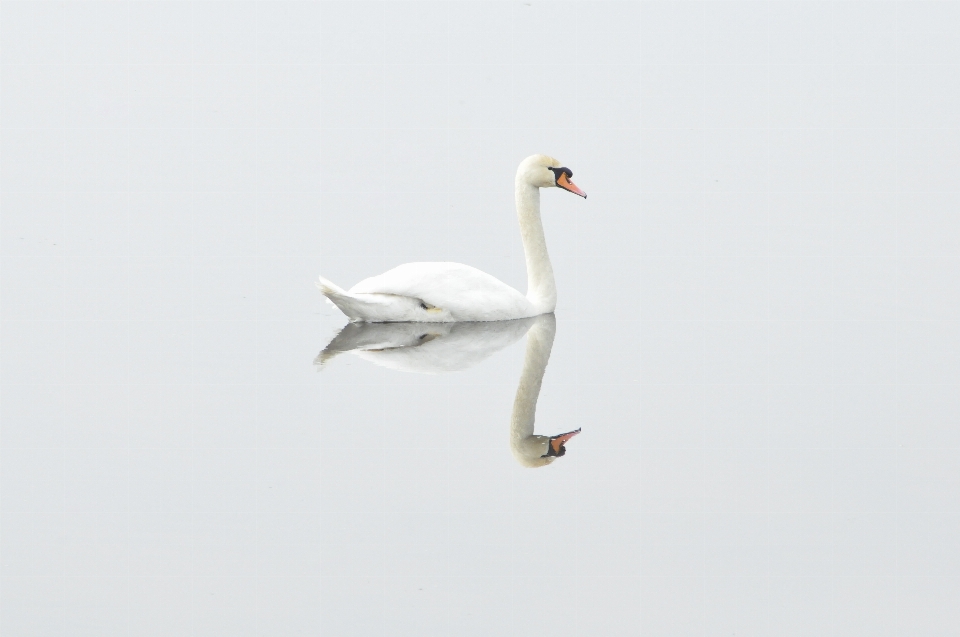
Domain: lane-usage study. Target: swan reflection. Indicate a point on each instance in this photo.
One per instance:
(435, 348)
(425, 348)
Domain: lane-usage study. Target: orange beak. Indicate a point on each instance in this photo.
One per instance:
(566, 184)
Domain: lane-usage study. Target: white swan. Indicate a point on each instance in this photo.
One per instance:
(431, 349)
(447, 292)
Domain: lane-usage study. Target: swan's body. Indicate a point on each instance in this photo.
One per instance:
(450, 292)
(430, 293)
(446, 347)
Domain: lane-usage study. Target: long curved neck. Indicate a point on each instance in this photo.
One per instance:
(541, 288)
(526, 447)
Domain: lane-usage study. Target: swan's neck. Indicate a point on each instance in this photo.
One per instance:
(541, 288)
(527, 447)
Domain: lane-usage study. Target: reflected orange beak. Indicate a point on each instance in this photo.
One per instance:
(566, 184)
(556, 443)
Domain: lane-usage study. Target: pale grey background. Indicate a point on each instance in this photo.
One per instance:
(758, 328)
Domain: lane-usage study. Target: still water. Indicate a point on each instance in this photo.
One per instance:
(454, 497)
(757, 334)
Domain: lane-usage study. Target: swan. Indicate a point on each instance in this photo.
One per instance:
(439, 348)
(450, 292)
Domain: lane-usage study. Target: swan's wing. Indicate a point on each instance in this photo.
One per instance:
(465, 292)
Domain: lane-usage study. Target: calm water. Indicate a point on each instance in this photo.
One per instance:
(757, 329)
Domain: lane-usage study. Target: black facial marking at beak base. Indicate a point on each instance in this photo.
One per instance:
(559, 171)
(562, 177)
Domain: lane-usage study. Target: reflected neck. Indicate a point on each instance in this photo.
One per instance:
(528, 448)
(541, 287)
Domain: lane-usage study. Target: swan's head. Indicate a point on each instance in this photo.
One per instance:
(539, 451)
(546, 172)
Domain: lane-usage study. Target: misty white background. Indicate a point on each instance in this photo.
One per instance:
(758, 325)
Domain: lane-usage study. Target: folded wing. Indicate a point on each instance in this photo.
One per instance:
(466, 293)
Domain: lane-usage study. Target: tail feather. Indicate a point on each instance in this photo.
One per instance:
(338, 296)
(329, 288)
(366, 306)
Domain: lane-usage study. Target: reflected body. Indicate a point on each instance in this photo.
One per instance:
(450, 292)
(425, 349)
(435, 349)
